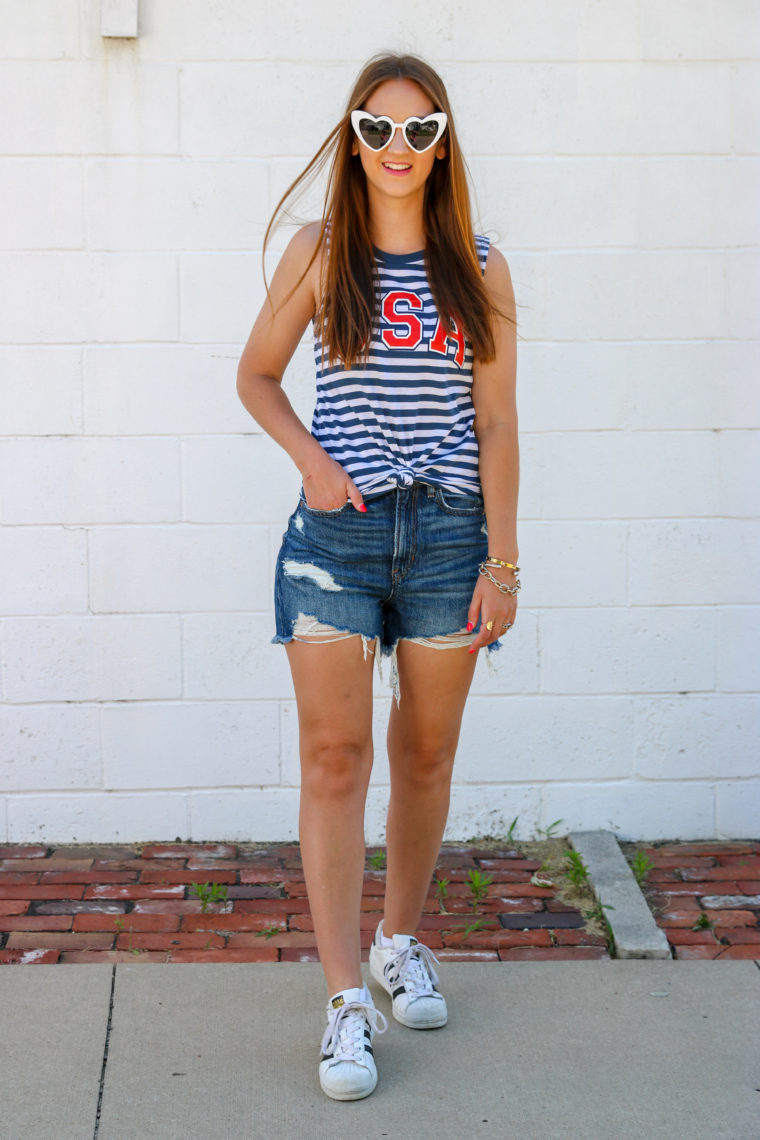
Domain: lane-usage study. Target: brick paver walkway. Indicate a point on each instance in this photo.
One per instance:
(705, 896)
(105, 904)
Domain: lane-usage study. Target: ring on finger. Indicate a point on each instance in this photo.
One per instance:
(489, 625)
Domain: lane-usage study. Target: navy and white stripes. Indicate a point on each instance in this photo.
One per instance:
(407, 412)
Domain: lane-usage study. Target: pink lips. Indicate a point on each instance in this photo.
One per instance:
(391, 170)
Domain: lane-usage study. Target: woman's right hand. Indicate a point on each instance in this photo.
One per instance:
(327, 485)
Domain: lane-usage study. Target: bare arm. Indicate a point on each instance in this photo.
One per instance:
(494, 398)
(271, 344)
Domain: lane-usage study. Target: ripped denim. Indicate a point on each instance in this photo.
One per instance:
(405, 569)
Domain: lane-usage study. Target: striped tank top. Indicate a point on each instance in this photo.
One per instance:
(406, 413)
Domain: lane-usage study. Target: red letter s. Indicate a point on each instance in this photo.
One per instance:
(413, 336)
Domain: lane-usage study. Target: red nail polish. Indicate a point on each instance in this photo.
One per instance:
(362, 507)
(469, 627)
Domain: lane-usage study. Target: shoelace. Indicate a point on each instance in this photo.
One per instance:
(344, 1036)
(413, 967)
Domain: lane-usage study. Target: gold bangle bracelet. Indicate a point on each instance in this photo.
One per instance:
(502, 562)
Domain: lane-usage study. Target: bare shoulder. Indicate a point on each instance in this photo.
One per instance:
(305, 239)
(303, 246)
(498, 282)
(299, 266)
(497, 273)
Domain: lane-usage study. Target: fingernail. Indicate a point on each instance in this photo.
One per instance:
(470, 650)
(362, 507)
(469, 627)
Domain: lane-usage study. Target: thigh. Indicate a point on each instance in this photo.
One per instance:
(333, 685)
(434, 684)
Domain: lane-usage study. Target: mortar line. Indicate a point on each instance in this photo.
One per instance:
(105, 1054)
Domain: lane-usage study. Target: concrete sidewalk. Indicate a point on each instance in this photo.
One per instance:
(636, 1050)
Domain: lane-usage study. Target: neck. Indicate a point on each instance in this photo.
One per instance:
(396, 226)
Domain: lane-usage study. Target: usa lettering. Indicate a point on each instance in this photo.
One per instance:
(403, 328)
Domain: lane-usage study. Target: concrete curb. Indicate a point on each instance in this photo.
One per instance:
(634, 930)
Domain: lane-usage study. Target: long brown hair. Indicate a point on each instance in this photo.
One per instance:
(349, 300)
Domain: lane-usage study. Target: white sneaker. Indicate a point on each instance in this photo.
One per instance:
(407, 972)
(347, 1068)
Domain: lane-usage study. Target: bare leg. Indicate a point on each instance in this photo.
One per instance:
(422, 738)
(333, 684)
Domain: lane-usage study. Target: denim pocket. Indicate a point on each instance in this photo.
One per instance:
(328, 513)
(454, 503)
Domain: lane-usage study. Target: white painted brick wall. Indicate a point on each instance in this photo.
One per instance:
(177, 569)
(27, 556)
(40, 391)
(230, 655)
(636, 649)
(78, 297)
(686, 730)
(57, 747)
(76, 480)
(212, 743)
(615, 153)
(92, 658)
(738, 661)
(166, 390)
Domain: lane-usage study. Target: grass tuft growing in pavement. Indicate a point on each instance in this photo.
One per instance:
(209, 893)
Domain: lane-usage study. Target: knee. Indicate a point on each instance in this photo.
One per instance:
(334, 769)
(426, 766)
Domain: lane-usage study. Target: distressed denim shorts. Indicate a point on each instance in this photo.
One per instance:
(406, 568)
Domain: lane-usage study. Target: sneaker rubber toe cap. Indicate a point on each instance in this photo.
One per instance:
(346, 1080)
(424, 1012)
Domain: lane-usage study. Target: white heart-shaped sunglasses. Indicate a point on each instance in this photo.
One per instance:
(376, 131)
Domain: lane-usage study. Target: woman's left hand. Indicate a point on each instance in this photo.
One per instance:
(491, 606)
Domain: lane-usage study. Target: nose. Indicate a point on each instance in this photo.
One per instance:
(398, 144)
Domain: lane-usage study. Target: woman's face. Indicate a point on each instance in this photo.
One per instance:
(398, 170)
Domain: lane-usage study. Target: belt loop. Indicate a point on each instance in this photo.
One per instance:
(430, 491)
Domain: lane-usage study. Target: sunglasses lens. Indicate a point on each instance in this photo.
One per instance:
(375, 135)
(421, 135)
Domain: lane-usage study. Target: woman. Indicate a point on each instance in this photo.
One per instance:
(413, 447)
